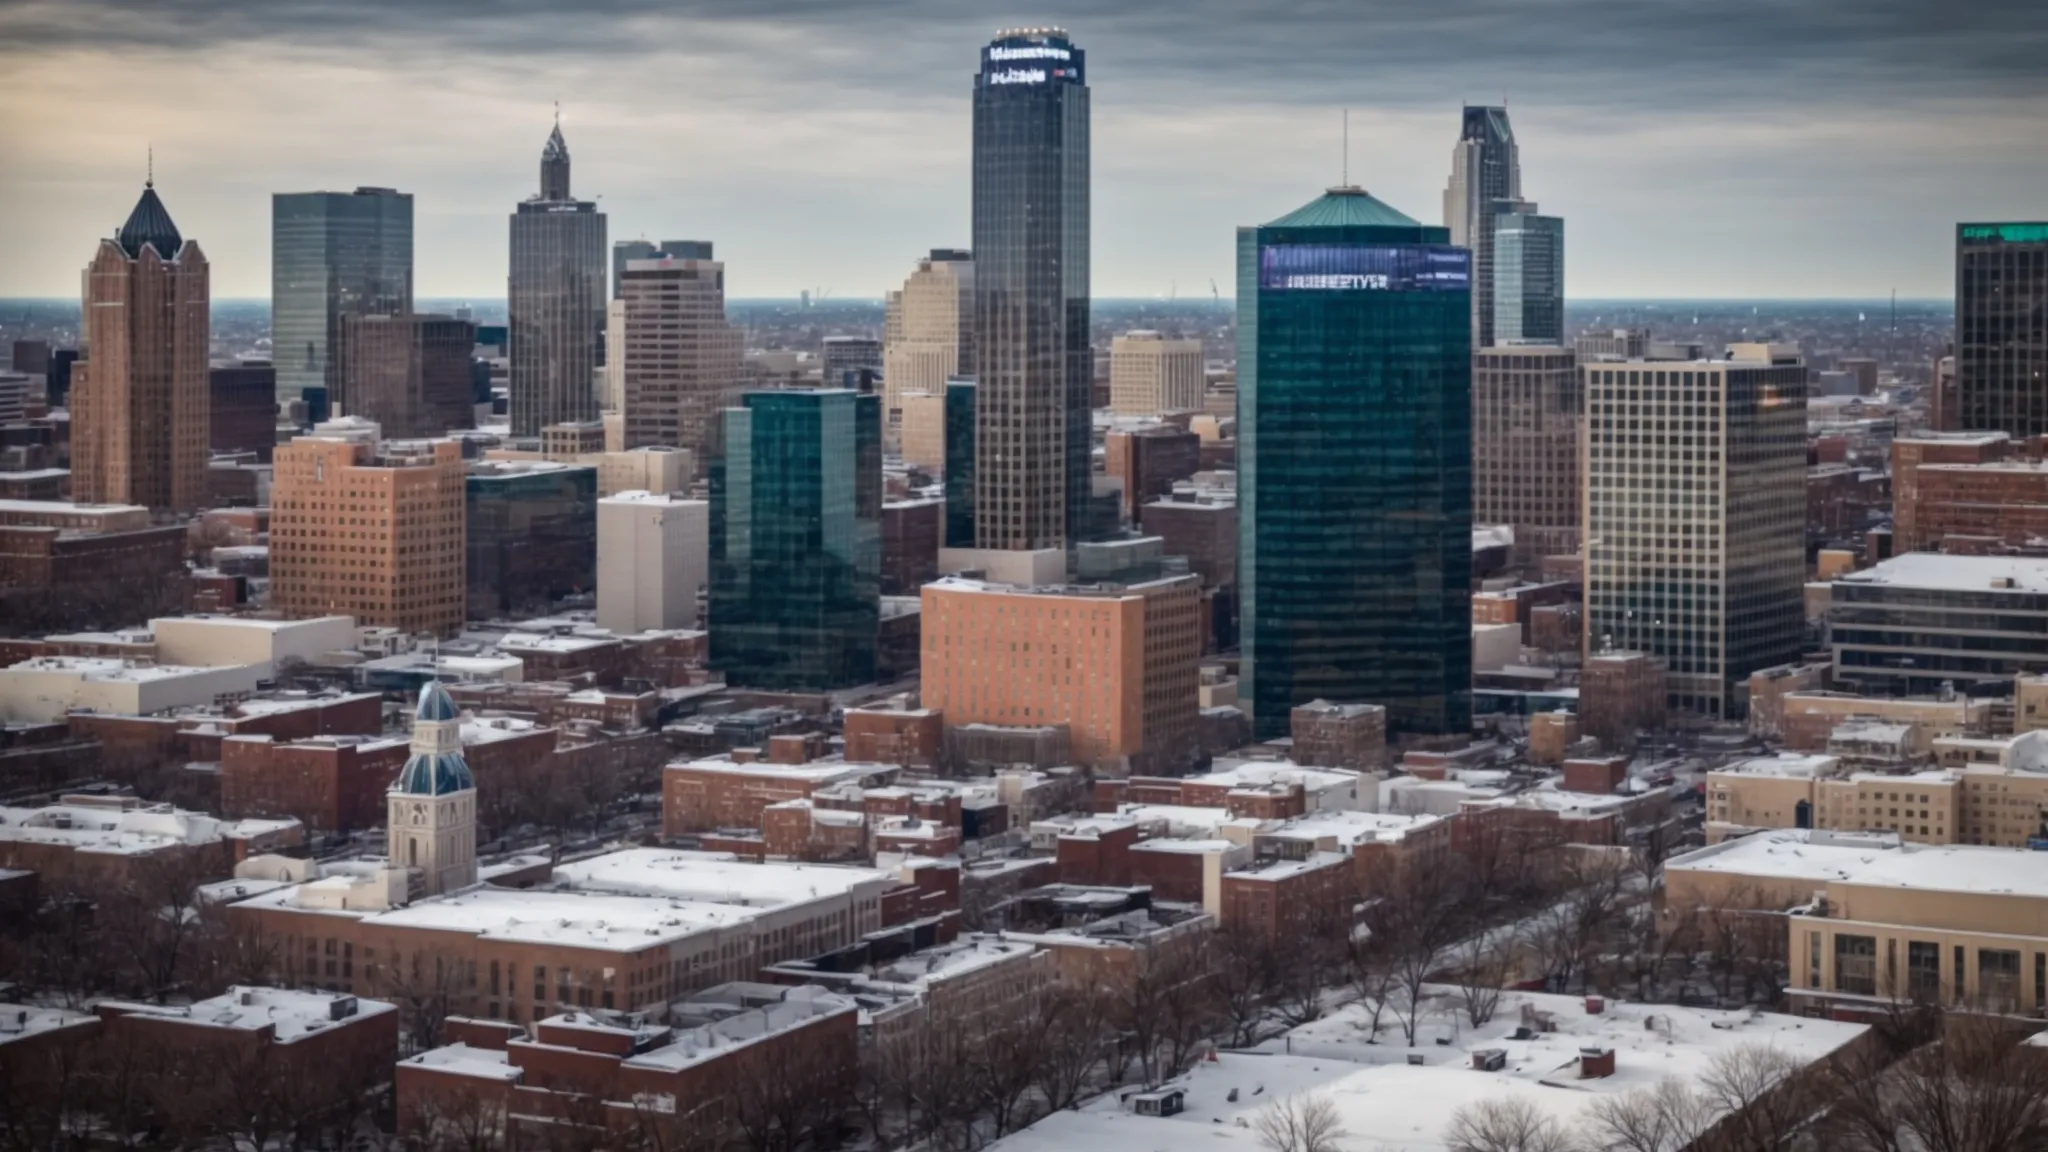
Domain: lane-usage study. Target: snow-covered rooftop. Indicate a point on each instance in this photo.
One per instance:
(1258, 773)
(1940, 571)
(294, 1014)
(126, 831)
(1790, 765)
(1873, 860)
(818, 772)
(715, 877)
(462, 1060)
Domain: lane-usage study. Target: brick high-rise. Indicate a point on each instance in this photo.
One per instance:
(408, 373)
(682, 359)
(139, 403)
(370, 528)
(1527, 409)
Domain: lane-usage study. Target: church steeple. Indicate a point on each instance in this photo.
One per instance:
(554, 164)
(431, 808)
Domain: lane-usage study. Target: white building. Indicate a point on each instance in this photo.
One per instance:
(219, 641)
(653, 559)
(46, 688)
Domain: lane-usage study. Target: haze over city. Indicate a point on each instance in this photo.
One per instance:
(1735, 150)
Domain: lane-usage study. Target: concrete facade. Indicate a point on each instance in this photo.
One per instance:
(653, 561)
(1150, 374)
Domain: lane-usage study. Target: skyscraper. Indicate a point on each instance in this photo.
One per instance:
(1527, 410)
(1486, 168)
(1032, 364)
(626, 251)
(2001, 358)
(409, 373)
(1695, 521)
(555, 300)
(1528, 276)
(139, 401)
(796, 539)
(683, 360)
(930, 338)
(1150, 374)
(845, 356)
(1354, 396)
(333, 254)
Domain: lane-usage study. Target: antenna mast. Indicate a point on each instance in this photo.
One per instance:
(1347, 149)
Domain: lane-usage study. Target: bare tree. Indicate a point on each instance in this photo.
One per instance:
(1483, 962)
(1414, 925)
(1668, 1117)
(1758, 1092)
(1511, 1124)
(1305, 1122)
(1975, 1088)
(1076, 1033)
(1243, 969)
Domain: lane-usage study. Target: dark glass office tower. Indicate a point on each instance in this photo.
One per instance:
(1032, 364)
(2002, 328)
(1528, 277)
(1354, 403)
(1486, 168)
(555, 301)
(333, 254)
(796, 539)
(959, 415)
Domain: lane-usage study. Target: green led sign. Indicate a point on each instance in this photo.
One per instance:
(2007, 233)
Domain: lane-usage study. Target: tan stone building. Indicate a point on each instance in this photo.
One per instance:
(921, 418)
(139, 400)
(1982, 792)
(1118, 667)
(683, 360)
(408, 373)
(1805, 720)
(929, 340)
(1879, 922)
(1150, 374)
(1527, 406)
(369, 529)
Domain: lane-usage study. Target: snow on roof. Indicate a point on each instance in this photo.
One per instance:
(1387, 1105)
(714, 877)
(19, 1021)
(1353, 828)
(1789, 765)
(462, 1060)
(572, 919)
(294, 1014)
(690, 1046)
(1289, 869)
(110, 669)
(488, 729)
(819, 772)
(537, 642)
(1191, 847)
(1874, 861)
(1184, 820)
(1943, 572)
(1258, 773)
(946, 961)
(125, 831)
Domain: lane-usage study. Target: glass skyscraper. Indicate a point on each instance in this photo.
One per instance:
(1354, 398)
(555, 301)
(796, 539)
(1486, 169)
(959, 418)
(333, 254)
(1528, 277)
(2002, 328)
(1032, 364)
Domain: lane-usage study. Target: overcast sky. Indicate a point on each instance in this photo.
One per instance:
(1761, 148)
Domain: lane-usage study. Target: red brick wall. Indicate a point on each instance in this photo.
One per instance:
(880, 736)
(1173, 876)
(699, 801)
(1101, 859)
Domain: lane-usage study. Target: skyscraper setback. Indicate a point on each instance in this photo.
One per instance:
(1486, 169)
(556, 300)
(2001, 366)
(1354, 403)
(333, 254)
(139, 399)
(1032, 365)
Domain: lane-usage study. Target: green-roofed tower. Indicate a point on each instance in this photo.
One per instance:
(1354, 361)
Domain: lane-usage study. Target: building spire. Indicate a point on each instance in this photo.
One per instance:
(149, 177)
(554, 163)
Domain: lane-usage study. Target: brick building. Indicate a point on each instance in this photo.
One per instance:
(327, 783)
(243, 408)
(912, 531)
(1282, 899)
(706, 795)
(1968, 491)
(1150, 461)
(1339, 735)
(1619, 694)
(94, 842)
(409, 373)
(913, 737)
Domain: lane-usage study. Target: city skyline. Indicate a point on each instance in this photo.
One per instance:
(1901, 105)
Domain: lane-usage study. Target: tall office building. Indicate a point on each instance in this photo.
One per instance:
(139, 401)
(369, 528)
(409, 373)
(1033, 366)
(846, 356)
(555, 301)
(796, 539)
(652, 554)
(682, 359)
(625, 252)
(1150, 374)
(1354, 396)
(960, 422)
(2001, 356)
(1527, 411)
(333, 254)
(1486, 168)
(1528, 276)
(929, 336)
(1695, 521)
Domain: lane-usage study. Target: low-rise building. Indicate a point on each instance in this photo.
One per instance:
(48, 688)
(1924, 623)
(86, 841)
(705, 795)
(1339, 735)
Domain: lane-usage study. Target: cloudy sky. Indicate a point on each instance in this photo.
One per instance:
(1774, 148)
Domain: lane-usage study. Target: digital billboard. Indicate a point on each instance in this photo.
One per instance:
(1365, 268)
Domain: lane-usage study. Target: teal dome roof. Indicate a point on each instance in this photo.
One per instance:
(435, 703)
(435, 774)
(1345, 207)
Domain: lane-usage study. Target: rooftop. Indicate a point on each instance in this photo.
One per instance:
(1873, 860)
(1258, 773)
(818, 772)
(125, 830)
(1942, 572)
(18, 1021)
(1345, 207)
(294, 1014)
(713, 877)
(1790, 765)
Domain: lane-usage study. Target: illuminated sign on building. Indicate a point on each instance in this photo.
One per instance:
(1032, 52)
(2006, 233)
(1018, 76)
(1358, 268)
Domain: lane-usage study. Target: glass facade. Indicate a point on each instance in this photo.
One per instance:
(796, 540)
(1892, 638)
(1528, 279)
(555, 302)
(1486, 168)
(532, 536)
(1355, 469)
(1032, 362)
(959, 463)
(2002, 328)
(333, 254)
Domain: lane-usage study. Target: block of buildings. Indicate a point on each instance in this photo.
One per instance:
(653, 558)
(895, 734)
(1619, 694)
(1115, 666)
(706, 795)
(102, 555)
(327, 783)
(402, 565)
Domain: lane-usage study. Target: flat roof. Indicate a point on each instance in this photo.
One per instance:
(815, 771)
(1874, 860)
(293, 1013)
(1789, 765)
(718, 877)
(1942, 572)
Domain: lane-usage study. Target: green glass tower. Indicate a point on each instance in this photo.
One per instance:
(796, 539)
(1354, 405)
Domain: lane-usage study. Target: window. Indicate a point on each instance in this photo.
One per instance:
(1998, 979)
(1856, 965)
(1923, 971)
